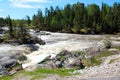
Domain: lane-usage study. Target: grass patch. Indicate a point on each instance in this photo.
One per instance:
(97, 59)
(103, 54)
(6, 78)
(41, 73)
(61, 71)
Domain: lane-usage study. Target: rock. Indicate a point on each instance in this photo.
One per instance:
(59, 64)
(32, 40)
(38, 40)
(12, 72)
(31, 68)
(9, 62)
(26, 39)
(75, 62)
(49, 65)
(32, 47)
(116, 51)
(65, 59)
(19, 56)
(3, 71)
(94, 50)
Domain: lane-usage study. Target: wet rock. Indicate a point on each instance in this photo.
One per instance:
(65, 59)
(38, 40)
(10, 62)
(3, 70)
(19, 56)
(32, 47)
(31, 40)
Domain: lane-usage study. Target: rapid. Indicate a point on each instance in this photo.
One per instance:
(57, 42)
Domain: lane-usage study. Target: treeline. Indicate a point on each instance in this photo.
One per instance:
(76, 18)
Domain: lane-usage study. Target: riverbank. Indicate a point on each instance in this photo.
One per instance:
(58, 42)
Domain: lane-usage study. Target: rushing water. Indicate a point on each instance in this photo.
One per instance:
(57, 42)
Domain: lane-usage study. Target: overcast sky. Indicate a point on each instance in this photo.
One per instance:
(18, 9)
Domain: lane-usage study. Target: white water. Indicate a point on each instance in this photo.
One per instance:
(57, 42)
(8, 47)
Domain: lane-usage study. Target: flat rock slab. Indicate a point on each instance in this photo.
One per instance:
(12, 72)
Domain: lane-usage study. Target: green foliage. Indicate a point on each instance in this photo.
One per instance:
(73, 18)
(9, 21)
(41, 73)
(28, 20)
(61, 71)
(6, 77)
(2, 22)
(97, 59)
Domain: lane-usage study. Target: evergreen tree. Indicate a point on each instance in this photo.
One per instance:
(9, 23)
(28, 20)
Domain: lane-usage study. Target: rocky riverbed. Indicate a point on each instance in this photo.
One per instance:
(55, 44)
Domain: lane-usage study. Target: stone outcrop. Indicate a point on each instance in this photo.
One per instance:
(10, 62)
(65, 59)
(94, 50)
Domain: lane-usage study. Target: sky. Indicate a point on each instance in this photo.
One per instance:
(18, 9)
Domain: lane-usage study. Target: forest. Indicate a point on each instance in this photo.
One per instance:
(76, 18)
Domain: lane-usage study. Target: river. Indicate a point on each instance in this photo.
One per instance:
(57, 42)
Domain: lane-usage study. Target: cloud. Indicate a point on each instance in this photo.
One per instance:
(25, 5)
(29, 3)
(32, 3)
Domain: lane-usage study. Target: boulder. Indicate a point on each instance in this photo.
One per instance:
(26, 39)
(32, 40)
(75, 62)
(3, 70)
(94, 50)
(65, 59)
(38, 40)
(9, 62)
(19, 56)
(48, 65)
(32, 47)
